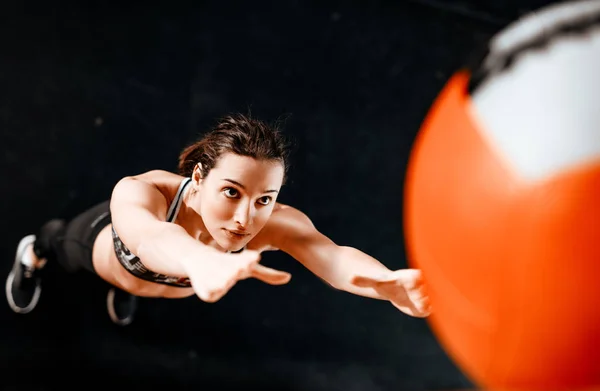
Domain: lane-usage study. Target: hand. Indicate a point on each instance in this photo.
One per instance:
(403, 288)
(212, 278)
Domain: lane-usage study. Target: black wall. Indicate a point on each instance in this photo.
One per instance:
(90, 93)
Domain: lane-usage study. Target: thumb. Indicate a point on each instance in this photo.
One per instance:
(364, 281)
(409, 277)
(249, 257)
(270, 276)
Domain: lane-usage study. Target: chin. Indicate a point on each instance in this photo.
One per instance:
(232, 247)
(229, 244)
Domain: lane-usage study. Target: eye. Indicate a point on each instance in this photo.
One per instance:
(266, 200)
(230, 192)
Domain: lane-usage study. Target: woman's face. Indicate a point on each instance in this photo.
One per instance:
(237, 197)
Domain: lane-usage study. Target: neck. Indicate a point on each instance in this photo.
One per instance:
(191, 218)
(187, 211)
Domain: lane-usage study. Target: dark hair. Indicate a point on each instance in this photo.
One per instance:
(238, 134)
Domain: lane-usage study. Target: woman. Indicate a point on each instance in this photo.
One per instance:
(200, 232)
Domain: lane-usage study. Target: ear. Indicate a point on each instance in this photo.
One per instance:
(197, 175)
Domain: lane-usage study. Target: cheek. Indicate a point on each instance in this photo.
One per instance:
(262, 216)
(217, 208)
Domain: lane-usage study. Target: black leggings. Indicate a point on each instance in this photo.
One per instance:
(70, 244)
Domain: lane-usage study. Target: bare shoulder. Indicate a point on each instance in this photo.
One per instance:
(285, 223)
(166, 182)
(287, 216)
(151, 191)
(160, 178)
(158, 175)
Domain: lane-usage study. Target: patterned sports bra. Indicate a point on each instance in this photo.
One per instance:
(132, 263)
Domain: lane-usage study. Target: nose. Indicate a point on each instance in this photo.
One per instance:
(244, 214)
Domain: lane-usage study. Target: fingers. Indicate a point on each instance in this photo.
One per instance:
(250, 256)
(251, 268)
(405, 288)
(364, 281)
(247, 260)
(210, 296)
(409, 278)
(212, 292)
(420, 300)
(211, 288)
(418, 309)
(418, 303)
(270, 276)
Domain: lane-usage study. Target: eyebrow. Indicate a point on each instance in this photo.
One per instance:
(242, 186)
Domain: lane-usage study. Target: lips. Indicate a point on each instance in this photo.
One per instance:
(235, 234)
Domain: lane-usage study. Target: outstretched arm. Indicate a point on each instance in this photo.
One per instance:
(336, 265)
(347, 268)
(138, 214)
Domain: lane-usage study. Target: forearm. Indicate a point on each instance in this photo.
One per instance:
(170, 251)
(346, 262)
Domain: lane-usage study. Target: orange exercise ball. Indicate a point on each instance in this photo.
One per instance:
(502, 206)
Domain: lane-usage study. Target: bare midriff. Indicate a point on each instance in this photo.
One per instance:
(107, 266)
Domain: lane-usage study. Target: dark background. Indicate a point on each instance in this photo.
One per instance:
(90, 93)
